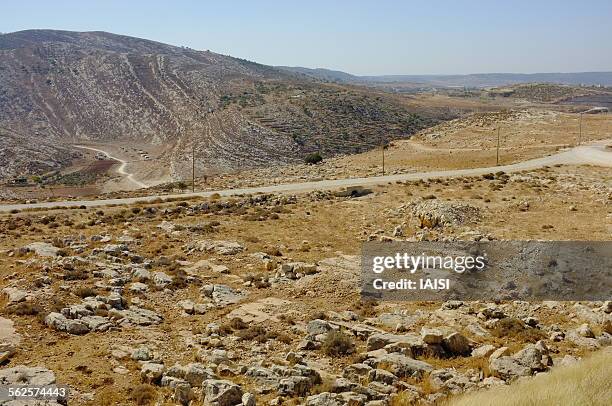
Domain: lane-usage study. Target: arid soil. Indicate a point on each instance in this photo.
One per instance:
(258, 297)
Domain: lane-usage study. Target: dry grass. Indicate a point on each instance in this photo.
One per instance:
(337, 344)
(144, 394)
(584, 383)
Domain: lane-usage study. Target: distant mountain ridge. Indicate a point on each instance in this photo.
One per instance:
(469, 80)
(59, 88)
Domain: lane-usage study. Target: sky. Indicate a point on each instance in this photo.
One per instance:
(359, 37)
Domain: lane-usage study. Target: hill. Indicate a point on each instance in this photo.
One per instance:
(62, 87)
(471, 80)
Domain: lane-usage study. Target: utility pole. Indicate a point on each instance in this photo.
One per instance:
(383, 159)
(497, 159)
(193, 165)
(580, 131)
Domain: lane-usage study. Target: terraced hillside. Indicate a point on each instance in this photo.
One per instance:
(59, 87)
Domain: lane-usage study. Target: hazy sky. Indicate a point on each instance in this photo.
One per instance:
(360, 37)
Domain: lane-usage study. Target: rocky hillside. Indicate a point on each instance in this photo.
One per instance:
(60, 87)
(548, 92)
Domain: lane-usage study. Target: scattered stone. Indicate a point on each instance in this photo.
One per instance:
(585, 331)
(219, 247)
(431, 336)
(435, 213)
(500, 352)
(483, 351)
(325, 399)
(61, 323)
(115, 249)
(318, 326)
(138, 287)
(248, 399)
(151, 372)
(508, 368)
(219, 392)
(15, 295)
(9, 339)
(43, 249)
(143, 353)
(399, 365)
(161, 279)
(135, 316)
(24, 375)
(410, 342)
(524, 363)
(222, 295)
(167, 226)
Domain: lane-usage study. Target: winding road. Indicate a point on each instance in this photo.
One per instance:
(596, 153)
(121, 170)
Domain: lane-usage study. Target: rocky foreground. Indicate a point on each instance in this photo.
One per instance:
(223, 302)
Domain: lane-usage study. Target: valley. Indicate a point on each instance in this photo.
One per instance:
(182, 227)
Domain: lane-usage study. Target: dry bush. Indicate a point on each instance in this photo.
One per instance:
(273, 251)
(85, 291)
(282, 337)
(24, 309)
(318, 315)
(287, 318)
(75, 275)
(366, 308)
(337, 344)
(257, 333)
(237, 324)
(144, 394)
(56, 304)
(109, 396)
(517, 329)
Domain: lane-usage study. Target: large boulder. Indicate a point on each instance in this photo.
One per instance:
(9, 339)
(161, 279)
(381, 340)
(294, 386)
(218, 392)
(196, 373)
(508, 368)
(43, 249)
(457, 344)
(135, 316)
(222, 295)
(450, 380)
(14, 295)
(152, 371)
(219, 247)
(325, 399)
(524, 363)
(23, 375)
(399, 364)
(318, 326)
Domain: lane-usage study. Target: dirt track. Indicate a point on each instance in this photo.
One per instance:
(121, 170)
(594, 154)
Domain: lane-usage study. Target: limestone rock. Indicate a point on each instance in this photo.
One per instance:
(219, 247)
(219, 392)
(43, 249)
(457, 344)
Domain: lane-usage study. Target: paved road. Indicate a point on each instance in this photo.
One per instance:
(121, 170)
(594, 154)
